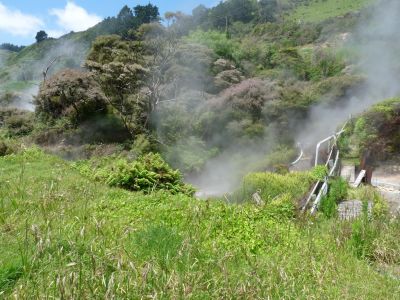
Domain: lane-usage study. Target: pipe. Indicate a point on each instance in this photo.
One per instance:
(300, 156)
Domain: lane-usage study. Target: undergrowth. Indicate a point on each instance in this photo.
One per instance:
(68, 237)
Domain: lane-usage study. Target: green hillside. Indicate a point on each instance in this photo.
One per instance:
(4, 55)
(64, 236)
(28, 64)
(320, 10)
(164, 168)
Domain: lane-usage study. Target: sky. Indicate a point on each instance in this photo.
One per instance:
(20, 20)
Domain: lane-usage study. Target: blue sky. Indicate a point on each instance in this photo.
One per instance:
(21, 19)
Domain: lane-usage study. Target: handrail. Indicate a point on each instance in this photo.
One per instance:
(324, 188)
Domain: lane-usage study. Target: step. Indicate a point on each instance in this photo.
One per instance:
(352, 209)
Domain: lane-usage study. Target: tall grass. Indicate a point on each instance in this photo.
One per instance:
(66, 237)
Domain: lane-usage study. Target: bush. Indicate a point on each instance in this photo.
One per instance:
(16, 122)
(271, 186)
(147, 174)
(215, 40)
(4, 149)
(70, 93)
(377, 131)
(338, 191)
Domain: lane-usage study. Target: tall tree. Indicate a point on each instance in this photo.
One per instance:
(147, 13)
(41, 36)
(125, 13)
(200, 14)
(118, 67)
(125, 21)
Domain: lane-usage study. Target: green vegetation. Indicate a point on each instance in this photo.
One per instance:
(320, 10)
(147, 174)
(338, 191)
(272, 186)
(66, 236)
(144, 105)
(375, 133)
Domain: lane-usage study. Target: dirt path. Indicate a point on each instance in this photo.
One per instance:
(387, 181)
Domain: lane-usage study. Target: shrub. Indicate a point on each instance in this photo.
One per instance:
(215, 40)
(189, 155)
(16, 122)
(70, 93)
(147, 174)
(338, 191)
(271, 186)
(5, 149)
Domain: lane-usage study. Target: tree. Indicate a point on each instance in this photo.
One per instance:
(125, 14)
(11, 47)
(41, 36)
(125, 21)
(200, 14)
(161, 46)
(267, 10)
(170, 17)
(118, 68)
(147, 13)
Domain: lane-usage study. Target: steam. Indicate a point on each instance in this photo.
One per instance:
(377, 40)
(223, 173)
(29, 71)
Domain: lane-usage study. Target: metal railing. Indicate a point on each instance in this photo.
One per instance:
(300, 155)
(320, 188)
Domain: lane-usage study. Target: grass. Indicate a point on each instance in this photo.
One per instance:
(4, 55)
(64, 236)
(320, 10)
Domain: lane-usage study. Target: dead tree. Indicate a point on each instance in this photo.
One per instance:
(46, 71)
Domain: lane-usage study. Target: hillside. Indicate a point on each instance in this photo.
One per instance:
(168, 166)
(317, 10)
(63, 233)
(4, 55)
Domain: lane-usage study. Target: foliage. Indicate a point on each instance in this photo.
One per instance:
(16, 122)
(215, 40)
(72, 94)
(147, 13)
(148, 173)
(117, 66)
(287, 33)
(376, 131)
(317, 11)
(60, 227)
(41, 36)
(189, 156)
(272, 186)
(11, 47)
(6, 148)
(319, 172)
(338, 190)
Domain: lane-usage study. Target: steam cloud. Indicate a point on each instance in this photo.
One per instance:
(377, 43)
(377, 40)
(70, 54)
